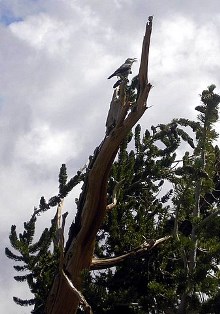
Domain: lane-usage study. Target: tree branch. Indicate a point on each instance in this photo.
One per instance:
(82, 300)
(114, 196)
(103, 263)
(206, 220)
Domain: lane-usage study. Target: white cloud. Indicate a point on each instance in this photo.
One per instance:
(43, 32)
(182, 46)
(54, 92)
(43, 143)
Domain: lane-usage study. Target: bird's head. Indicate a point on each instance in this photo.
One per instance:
(130, 60)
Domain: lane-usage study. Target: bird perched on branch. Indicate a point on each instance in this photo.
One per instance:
(125, 69)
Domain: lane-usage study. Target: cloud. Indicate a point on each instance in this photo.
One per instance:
(43, 32)
(55, 58)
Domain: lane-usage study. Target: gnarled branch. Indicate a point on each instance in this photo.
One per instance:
(103, 263)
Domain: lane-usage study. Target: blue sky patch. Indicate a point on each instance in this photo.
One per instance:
(7, 18)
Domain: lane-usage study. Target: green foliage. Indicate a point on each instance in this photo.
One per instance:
(40, 259)
(24, 302)
(147, 208)
(169, 184)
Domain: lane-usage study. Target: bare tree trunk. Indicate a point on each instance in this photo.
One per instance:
(79, 255)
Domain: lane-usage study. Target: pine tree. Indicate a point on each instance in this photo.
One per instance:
(184, 272)
(157, 194)
(200, 192)
(40, 259)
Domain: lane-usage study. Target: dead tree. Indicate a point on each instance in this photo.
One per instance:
(65, 294)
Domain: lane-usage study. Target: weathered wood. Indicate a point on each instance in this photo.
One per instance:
(80, 251)
(103, 263)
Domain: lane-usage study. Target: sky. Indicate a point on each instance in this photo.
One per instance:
(55, 57)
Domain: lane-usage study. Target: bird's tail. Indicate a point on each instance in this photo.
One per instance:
(110, 76)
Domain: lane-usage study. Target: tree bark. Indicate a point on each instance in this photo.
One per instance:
(80, 252)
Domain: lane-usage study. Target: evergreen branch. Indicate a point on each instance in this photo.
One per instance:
(24, 302)
(20, 268)
(206, 220)
(13, 256)
(29, 230)
(15, 242)
(62, 178)
(43, 242)
(64, 189)
(21, 278)
(79, 177)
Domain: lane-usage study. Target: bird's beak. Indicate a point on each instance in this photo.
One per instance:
(135, 59)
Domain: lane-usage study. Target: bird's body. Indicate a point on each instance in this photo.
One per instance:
(124, 70)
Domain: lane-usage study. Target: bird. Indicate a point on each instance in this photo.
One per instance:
(117, 83)
(125, 69)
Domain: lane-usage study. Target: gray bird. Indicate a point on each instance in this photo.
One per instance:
(125, 69)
